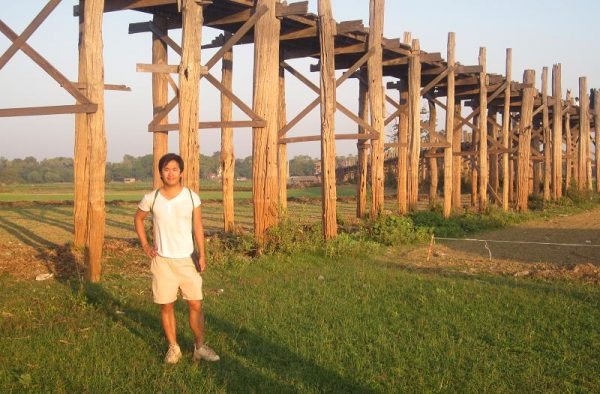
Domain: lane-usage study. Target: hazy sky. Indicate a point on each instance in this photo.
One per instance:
(541, 32)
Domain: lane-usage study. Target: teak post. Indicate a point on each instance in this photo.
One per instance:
(227, 152)
(81, 162)
(525, 130)
(433, 165)
(457, 159)
(584, 128)
(450, 102)
(266, 104)
(570, 153)
(414, 104)
(189, 89)
(94, 69)
(328, 100)
(506, 134)
(494, 181)
(402, 167)
(160, 97)
(483, 121)
(363, 147)
(282, 161)
(557, 123)
(597, 136)
(547, 136)
(376, 11)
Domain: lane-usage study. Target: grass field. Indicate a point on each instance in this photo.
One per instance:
(372, 319)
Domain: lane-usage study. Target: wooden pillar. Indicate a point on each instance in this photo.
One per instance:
(160, 98)
(570, 153)
(282, 160)
(457, 159)
(483, 143)
(584, 127)
(433, 165)
(402, 185)
(189, 89)
(266, 103)
(493, 158)
(328, 100)
(557, 175)
(94, 69)
(597, 136)
(506, 131)
(227, 152)
(536, 167)
(547, 136)
(474, 165)
(81, 162)
(376, 14)
(450, 102)
(525, 130)
(363, 147)
(414, 103)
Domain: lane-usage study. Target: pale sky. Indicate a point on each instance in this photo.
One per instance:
(541, 33)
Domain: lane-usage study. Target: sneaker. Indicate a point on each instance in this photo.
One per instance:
(205, 353)
(173, 354)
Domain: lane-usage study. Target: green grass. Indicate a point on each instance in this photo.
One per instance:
(367, 326)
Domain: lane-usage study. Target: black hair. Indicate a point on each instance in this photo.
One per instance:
(169, 157)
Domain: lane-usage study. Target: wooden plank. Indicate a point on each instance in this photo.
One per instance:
(50, 110)
(235, 99)
(313, 138)
(160, 115)
(18, 42)
(157, 68)
(212, 125)
(448, 171)
(435, 81)
(122, 88)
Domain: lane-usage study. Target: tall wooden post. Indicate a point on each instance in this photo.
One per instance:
(474, 165)
(94, 69)
(547, 136)
(227, 152)
(506, 130)
(557, 117)
(266, 103)
(414, 104)
(570, 153)
(160, 98)
(433, 165)
(483, 143)
(525, 130)
(450, 101)
(363, 147)
(81, 161)
(282, 161)
(457, 159)
(328, 100)
(597, 136)
(189, 89)
(584, 128)
(402, 168)
(375, 65)
(493, 158)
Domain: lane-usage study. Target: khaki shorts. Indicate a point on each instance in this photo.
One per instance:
(170, 275)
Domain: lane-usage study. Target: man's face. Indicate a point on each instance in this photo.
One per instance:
(171, 174)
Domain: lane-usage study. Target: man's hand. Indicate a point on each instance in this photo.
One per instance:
(149, 250)
(202, 261)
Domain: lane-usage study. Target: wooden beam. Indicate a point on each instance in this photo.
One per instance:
(227, 157)
(414, 99)
(450, 102)
(597, 136)
(547, 136)
(50, 110)
(282, 161)
(483, 133)
(584, 131)
(363, 148)
(525, 141)
(160, 98)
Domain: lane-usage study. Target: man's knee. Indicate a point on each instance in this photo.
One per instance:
(195, 305)
(165, 308)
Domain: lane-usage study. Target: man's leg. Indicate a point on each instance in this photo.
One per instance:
(197, 321)
(167, 317)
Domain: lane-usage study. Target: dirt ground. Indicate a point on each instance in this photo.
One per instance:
(26, 253)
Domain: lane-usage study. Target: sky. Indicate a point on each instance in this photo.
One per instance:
(540, 32)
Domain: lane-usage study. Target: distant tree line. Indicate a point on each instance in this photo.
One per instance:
(60, 169)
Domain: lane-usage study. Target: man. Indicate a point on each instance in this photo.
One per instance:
(172, 268)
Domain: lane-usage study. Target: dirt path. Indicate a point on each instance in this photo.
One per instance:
(537, 260)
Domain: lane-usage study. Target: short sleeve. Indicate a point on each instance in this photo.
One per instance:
(196, 200)
(146, 202)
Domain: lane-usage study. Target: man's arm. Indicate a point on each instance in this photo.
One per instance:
(138, 221)
(199, 236)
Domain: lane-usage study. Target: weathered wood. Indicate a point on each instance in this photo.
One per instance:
(403, 141)
(547, 136)
(94, 69)
(525, 141)
(328, 100)
(266, 104)
(363, 147)
(376, 16)
(456, 158)
(494, 181)
(557, 140)
(571, 151)
(483, 140)
(51, 110)
(282, 161)
(227, 151)
(160, 98)
(433, 165)
(450, 102)
(584, 135)
(597, 136)
(414, 104)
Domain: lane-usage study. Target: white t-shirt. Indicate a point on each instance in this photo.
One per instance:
(172, 222)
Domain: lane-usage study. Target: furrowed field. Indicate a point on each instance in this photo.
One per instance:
(367, 312)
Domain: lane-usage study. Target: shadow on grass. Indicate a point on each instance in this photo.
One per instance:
(24, 234)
